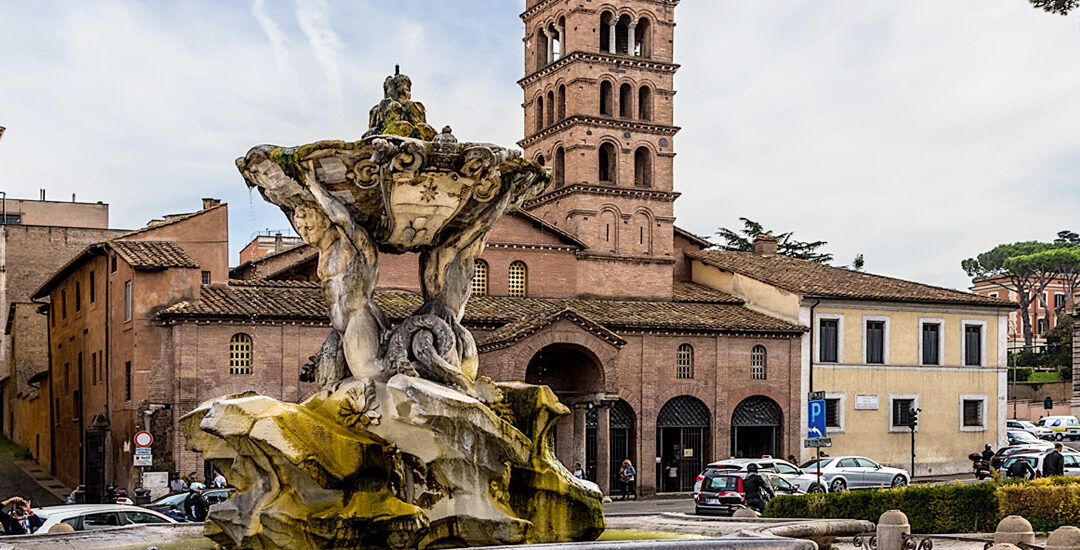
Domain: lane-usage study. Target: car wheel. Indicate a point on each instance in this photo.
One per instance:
(837, 485)
(815, 488)
(899, 481)
(1058, 437)
(697, 511)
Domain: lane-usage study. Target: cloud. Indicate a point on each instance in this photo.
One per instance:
(273, 32)
(326, 45)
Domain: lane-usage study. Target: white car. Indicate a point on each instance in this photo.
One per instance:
(1029, 427)
(1061, 426)
(804, 481)
(857, 472)
(89, 517)
(1035, 459)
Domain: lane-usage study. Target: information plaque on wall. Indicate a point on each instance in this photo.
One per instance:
(867, 401)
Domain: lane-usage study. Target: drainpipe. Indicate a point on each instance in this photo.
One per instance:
(812, 334)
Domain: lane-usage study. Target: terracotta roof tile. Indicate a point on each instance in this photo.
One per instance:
(812, 279)
(685, 291)
(152, 254)
(304, 300)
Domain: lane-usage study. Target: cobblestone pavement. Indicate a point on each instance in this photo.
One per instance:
(14, 481)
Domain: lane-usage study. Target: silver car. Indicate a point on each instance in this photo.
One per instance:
(857, 472)
(1029, 427)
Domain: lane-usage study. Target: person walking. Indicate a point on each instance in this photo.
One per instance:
(758, 490)
(627, 477)
(1054, 463)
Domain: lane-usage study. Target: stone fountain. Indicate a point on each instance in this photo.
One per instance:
(403, 445)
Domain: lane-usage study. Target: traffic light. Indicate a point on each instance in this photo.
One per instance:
(913, 418)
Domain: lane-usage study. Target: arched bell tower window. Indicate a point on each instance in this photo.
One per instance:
(540, 160)
(517, 282)
(541, 49)
(605, 98)
(607, 164)
(643, 38)
(626, 107)
(607, 32)
(560, 167)
(757, 363)
(539, 113)
(561, 114)
(642, 167)
(480, 279)
(684, 362)
(240, 354)
(550, 108)
(644, 103)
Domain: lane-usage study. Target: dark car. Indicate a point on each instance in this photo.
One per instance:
(175, 502)
(1004, 453)
(722, 491)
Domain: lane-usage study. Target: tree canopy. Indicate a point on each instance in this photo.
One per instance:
(743, 239)
(1060, 7)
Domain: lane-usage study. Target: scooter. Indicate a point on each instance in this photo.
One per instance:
(979, 465)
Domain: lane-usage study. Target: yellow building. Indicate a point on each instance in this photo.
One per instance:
(881, 346)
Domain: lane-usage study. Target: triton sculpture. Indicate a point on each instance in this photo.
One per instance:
(403, 446)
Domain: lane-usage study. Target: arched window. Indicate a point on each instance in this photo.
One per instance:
(541, 49)
(643, 167)
(562, 103)
(684, 362)
(550, 108)
(643, 38)
(622, 29)
(607, 164)
(757, 363)
(607, 20)
(539, 113)
(644, 103)
(240, 354)
(626, 108)
(480, 279)
(605, 98)
(560, 167)
(540, 160)
(517, 280)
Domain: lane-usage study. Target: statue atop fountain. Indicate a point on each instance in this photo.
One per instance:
(404, 445)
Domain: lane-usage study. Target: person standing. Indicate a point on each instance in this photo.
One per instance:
(219, 479)
(627, 477)
(578, 472)
(1054, 463)
(758, 490)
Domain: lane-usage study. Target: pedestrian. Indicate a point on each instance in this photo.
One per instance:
(627, 478)
(1053, 462)
(791, 459)
(578, 472)
(195, 505)
(1020, 469)
(219, 479)
(673, 475)
(177, 485)
(758, 490)
(17, 523)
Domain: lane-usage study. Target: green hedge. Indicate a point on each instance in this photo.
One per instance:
(954, 508)
(1020, 374)
(1048, 503)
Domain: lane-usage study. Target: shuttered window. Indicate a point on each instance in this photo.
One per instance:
(931, 333)
(829, 335)
(875, 341)
(757, 363)
(972, 345)
(973, 413)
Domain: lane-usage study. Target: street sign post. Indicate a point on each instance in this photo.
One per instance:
(143, 439)
(817, 442)
(816, 418)
(144, 456)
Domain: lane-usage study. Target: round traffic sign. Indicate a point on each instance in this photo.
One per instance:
(143, 439)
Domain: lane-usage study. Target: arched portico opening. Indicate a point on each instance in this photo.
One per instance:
(756, 425)
(682, 443)
(621, 442)
(576, 376)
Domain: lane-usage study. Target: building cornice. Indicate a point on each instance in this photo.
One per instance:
(544, 4)
(619, 60)
(608, 256)
(588, 189)
(600, 122)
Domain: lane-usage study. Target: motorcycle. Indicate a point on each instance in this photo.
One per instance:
(979, 465)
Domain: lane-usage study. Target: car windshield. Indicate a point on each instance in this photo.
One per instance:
(1023, 436)
(720, 483)
(814, 463)
(171, 500)
(1025, 424)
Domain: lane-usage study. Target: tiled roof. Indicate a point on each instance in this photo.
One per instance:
(152, 254)
(700, 241)
(685, 291)
(812, 279)
(304, 300)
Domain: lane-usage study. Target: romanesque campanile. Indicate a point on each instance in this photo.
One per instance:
(598, 113)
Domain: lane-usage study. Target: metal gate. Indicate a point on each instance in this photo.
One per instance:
(682, 442)
(755, 427)
(591, 423)
(621, 445)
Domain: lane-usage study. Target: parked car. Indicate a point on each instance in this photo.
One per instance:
(1018, 437)
(175, 502)
(1029, 427)
(89, 517)
(1035, 459)
(806, 481)
(722, 491)
(1004, 453)
(1061, 426)
(857, 472)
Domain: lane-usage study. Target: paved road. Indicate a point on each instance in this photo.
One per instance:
(13, 481)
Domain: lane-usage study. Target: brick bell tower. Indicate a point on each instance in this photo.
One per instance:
(598, 93)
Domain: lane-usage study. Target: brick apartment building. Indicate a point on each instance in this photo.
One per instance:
(1044, 311)
(36, 238)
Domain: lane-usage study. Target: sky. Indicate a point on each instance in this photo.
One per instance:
(917, 133)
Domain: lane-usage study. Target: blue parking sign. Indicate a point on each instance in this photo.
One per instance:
(815, 419)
